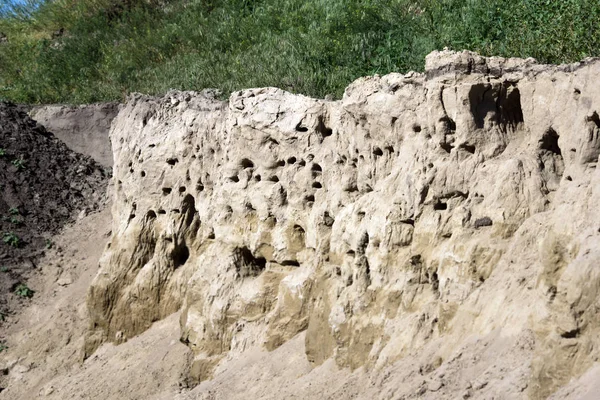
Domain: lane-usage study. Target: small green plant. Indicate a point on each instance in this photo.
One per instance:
(3, 347)
(19, 163)
(22, 290)
(49, 244)
(4, 268)
(11, 239)
(2, 152)
(14, 217)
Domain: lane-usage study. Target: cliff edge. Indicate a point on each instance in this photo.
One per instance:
(418, 214)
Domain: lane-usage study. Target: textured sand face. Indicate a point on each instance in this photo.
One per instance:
(416, 216)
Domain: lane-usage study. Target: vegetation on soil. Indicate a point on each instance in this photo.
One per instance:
(93, 50)
(11, 239)
(22, 290)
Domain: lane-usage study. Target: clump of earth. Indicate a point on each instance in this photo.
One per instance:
(43, 186)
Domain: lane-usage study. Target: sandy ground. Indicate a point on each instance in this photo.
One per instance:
(43, 360)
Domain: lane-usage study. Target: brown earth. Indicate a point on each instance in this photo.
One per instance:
(82, 128)
(44, 185)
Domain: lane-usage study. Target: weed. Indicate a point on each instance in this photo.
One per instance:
(49, 244)
(19, 163)
(13, 220)
(13, 211)
(22, 290)
(3, 347)
(11, 239)
(4, 268)
(2, 152)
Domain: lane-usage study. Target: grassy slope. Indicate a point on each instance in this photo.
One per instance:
(315, 47)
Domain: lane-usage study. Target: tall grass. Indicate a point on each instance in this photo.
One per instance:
(82, 51)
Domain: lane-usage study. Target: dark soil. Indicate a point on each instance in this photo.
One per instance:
(43, 186)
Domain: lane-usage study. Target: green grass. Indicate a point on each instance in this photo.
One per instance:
(109, 48)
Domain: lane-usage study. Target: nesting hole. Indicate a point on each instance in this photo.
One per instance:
(549, 142)
(300, 128)
(246, 163)
(180, 255)
(468, 147)
(440, 205)
(150, 215)
(290, 263)
(323, 129)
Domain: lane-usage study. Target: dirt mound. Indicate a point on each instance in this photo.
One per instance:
(43, 185)
(82, 128)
